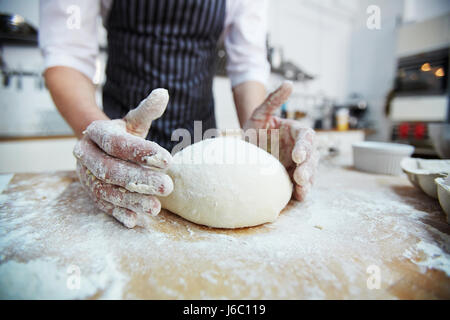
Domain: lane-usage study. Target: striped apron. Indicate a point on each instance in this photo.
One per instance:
(163, 44)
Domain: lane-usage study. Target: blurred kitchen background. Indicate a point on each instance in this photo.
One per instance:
(352, 81)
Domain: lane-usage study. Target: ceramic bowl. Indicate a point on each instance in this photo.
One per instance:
(423, 172)
(380, 157)
(443, 191)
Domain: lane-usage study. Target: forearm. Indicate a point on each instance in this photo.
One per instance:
(247, 97)
(74, 96)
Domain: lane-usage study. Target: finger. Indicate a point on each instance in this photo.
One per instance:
(127, 217)
(139, 203)
(112, 137)
(273, 102)
(304, 173)
(128, 175)
(300, 192)
(140, 119)
(304, 144)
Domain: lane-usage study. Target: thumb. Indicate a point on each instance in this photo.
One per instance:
(274, 101)
(140, 119)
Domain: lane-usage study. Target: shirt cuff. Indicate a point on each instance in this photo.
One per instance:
(261, 76)
(85, 67)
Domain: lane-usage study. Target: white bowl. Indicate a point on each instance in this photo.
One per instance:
(423, 172)
(443, 190)
(380, 157)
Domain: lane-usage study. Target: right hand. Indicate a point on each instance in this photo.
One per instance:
(123, 172)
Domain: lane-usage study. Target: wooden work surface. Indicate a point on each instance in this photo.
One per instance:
(354, 230)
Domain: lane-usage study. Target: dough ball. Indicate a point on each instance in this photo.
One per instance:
(227, 183)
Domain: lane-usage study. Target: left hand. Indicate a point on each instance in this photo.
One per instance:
(297, 151)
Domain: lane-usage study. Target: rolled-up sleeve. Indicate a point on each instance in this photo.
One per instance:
(245, 41)
(68, 34)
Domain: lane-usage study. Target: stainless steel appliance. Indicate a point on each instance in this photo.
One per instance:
(420, 95)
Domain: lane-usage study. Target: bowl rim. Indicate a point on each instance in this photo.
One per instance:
(384, 147)
(418, 171)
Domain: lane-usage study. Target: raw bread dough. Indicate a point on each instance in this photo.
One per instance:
(227, 183)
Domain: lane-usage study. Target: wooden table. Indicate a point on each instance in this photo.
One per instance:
(358, 235)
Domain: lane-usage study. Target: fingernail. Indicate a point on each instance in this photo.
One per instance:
(299, 156)
(157, 160)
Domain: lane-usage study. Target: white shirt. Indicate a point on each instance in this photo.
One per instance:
(244, 36)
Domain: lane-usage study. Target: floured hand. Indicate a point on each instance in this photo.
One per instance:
(121, 170)
(297, 151)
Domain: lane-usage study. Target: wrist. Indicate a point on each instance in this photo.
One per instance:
(247, 97)
(87, 119)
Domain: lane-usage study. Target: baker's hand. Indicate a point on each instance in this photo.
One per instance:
(297, 151)
(123, 172)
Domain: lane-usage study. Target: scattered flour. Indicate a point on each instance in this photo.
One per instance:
(43, 279)
(317, 249)
(435, 257)
(142, 188)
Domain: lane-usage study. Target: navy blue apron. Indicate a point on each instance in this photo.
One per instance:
(163, 44)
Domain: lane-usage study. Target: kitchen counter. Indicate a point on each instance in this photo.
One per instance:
(30, 114)
(357, 236)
